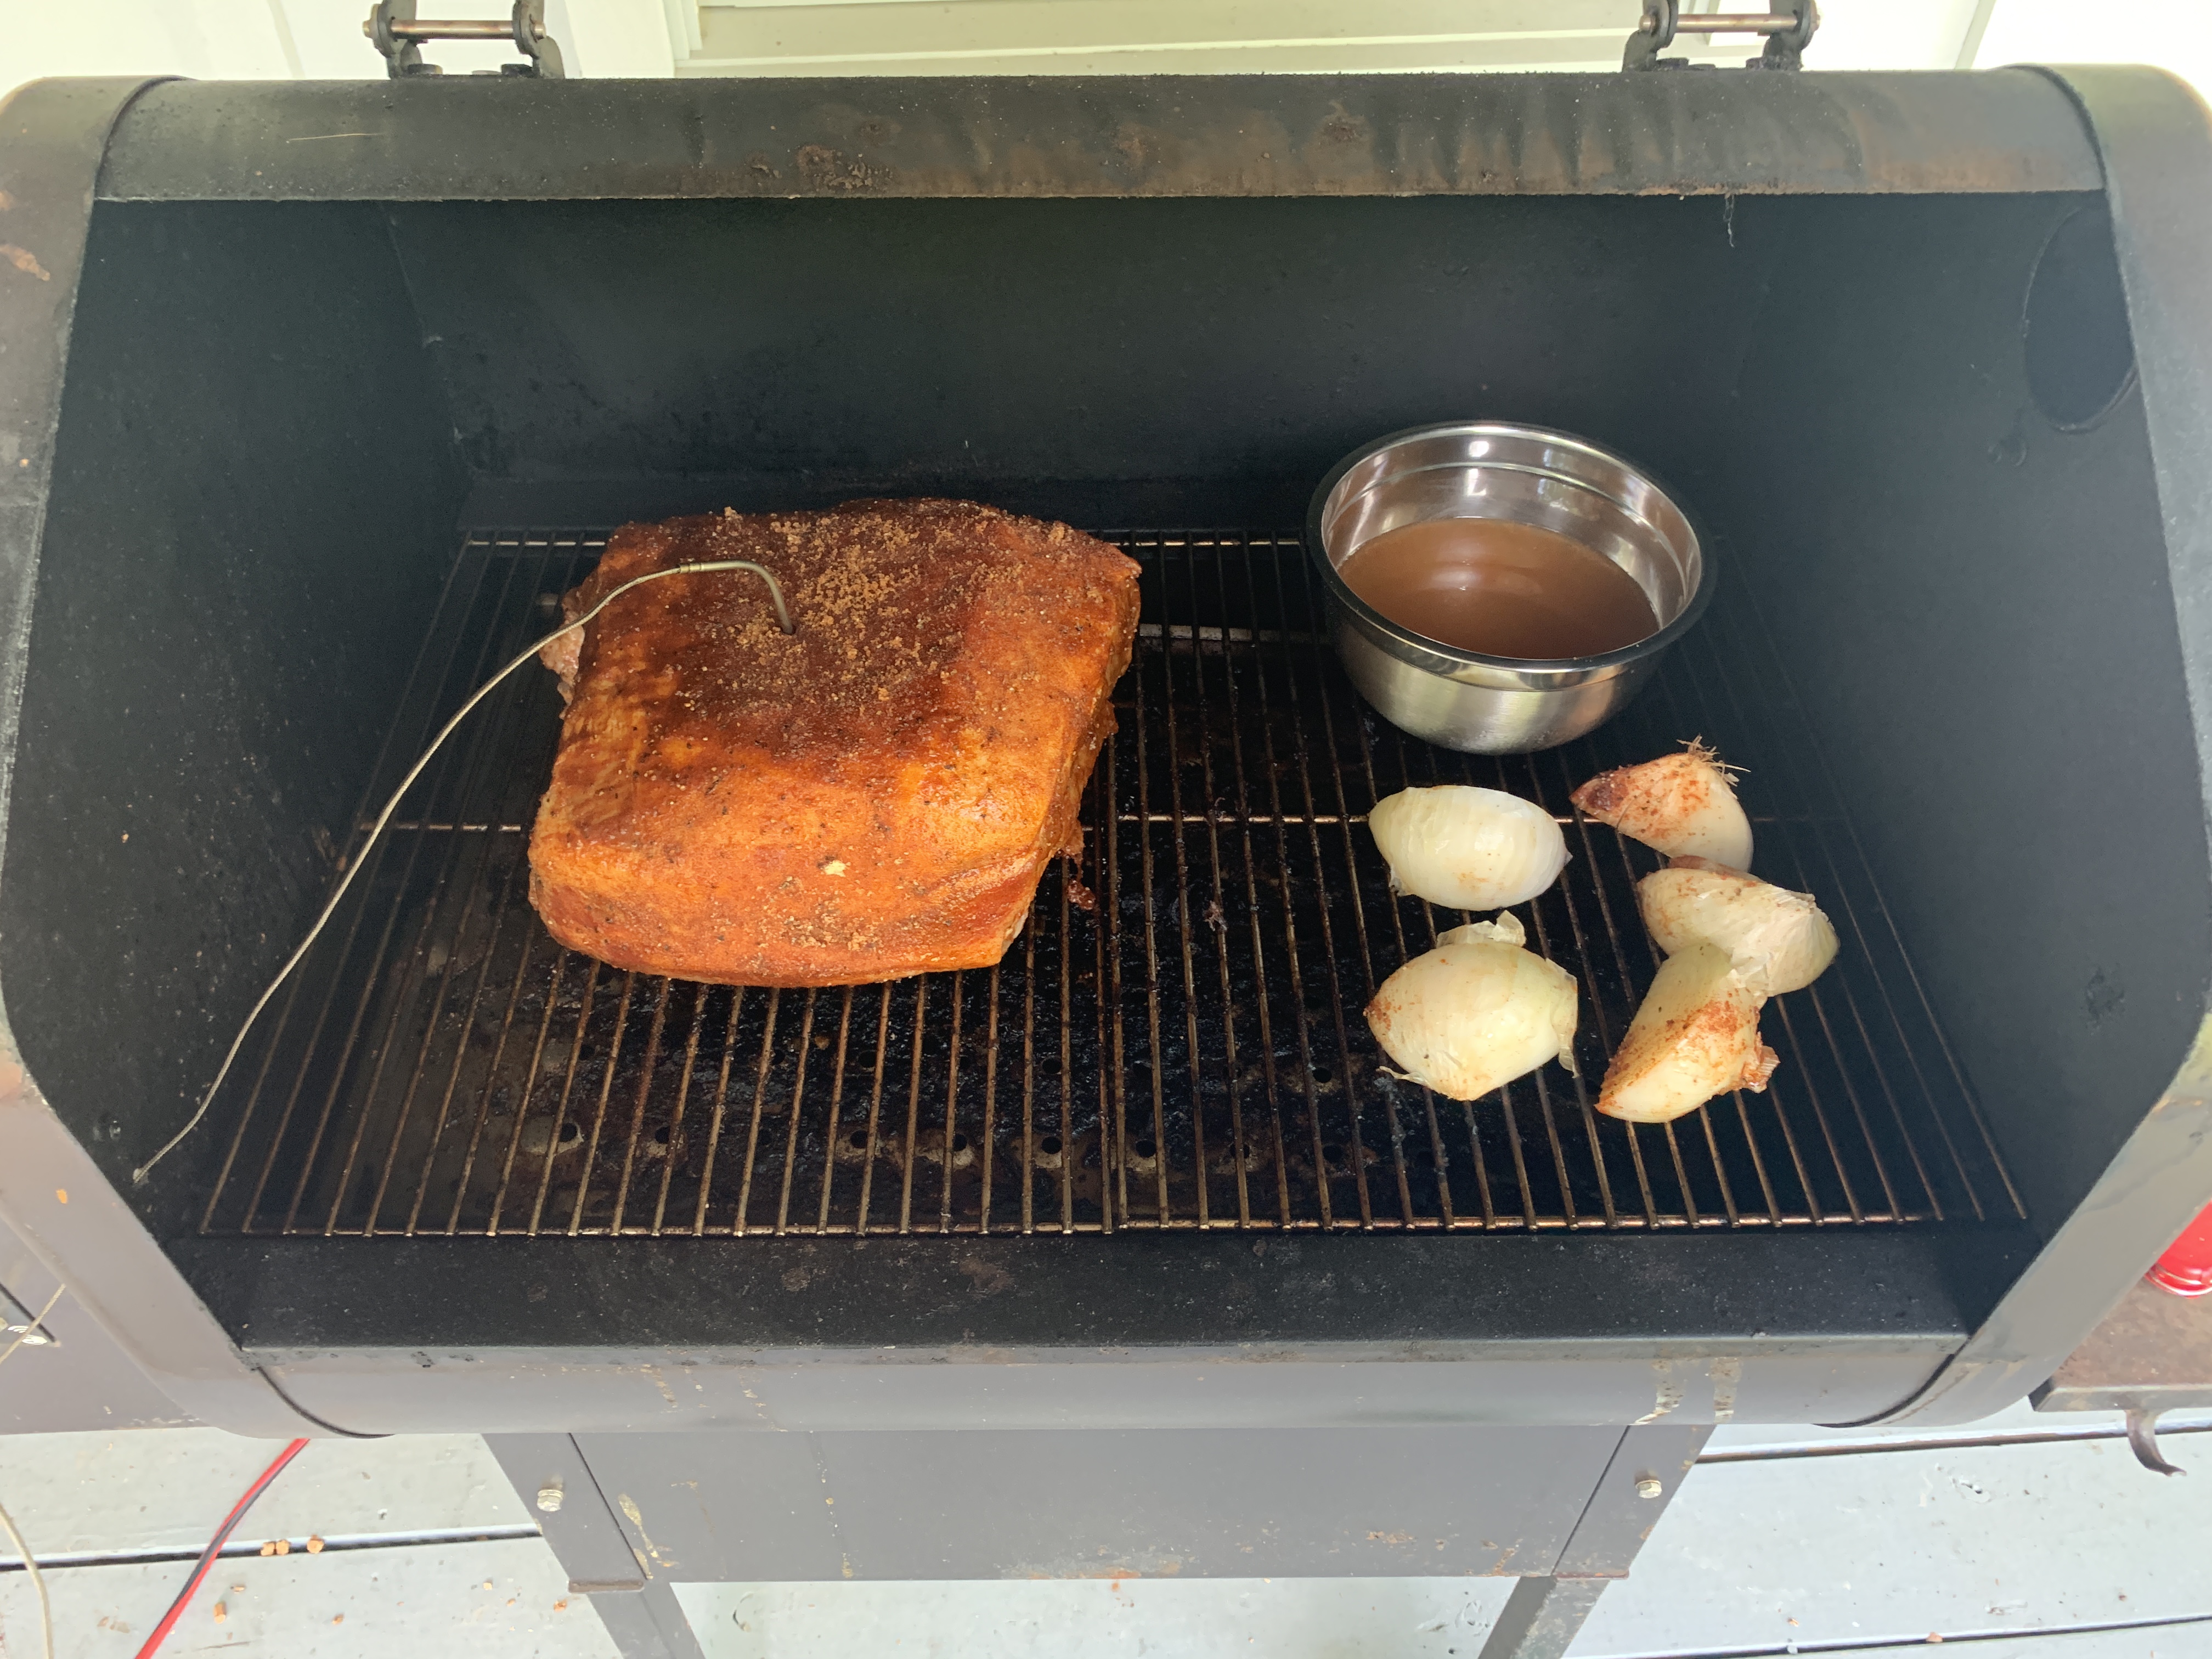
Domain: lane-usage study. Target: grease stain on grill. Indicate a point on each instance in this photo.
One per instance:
(2103, 997)
(1190, 1054)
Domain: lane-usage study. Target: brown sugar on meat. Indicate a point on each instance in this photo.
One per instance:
(872, 796)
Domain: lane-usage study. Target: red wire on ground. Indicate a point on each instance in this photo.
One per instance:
(214, 1551)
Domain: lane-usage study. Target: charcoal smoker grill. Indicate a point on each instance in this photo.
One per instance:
(315, 396)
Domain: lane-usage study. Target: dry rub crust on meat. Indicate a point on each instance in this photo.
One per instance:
(874, 796)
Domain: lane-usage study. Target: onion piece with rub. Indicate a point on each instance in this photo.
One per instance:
(1475, 1012)
(1469, 848)
(1696, 1035)
(1779, 940)
(1679, 804)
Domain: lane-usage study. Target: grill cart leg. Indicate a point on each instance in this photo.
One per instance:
(1543, 1615)
(641, 1612)
(647, 1623)
(1542, 1618)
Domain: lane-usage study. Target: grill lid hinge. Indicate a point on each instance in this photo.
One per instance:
(398, 34)
(1788, 30)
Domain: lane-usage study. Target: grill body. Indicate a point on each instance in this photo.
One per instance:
(315, 411)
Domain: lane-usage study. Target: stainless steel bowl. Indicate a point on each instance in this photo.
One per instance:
(1491, 469)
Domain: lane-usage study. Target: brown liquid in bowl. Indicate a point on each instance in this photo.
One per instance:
(1504, 589)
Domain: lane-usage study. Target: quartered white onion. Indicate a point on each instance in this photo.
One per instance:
(1677, 805)
(1779, 940)
(1467, 848)
(1475, 1012)
(1696, 1035)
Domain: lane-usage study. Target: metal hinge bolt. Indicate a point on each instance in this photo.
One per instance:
(548, 1498)
(1647, 1485)
(399, 34)
(1788, 30)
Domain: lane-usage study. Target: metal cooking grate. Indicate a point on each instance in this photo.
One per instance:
(1189, 1054)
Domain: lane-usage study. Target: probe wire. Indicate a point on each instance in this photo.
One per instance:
(783, 620)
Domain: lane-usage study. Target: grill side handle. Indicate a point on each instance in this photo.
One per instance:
(52, 1194)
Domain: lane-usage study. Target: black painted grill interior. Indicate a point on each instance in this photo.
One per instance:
(1175, 1040)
